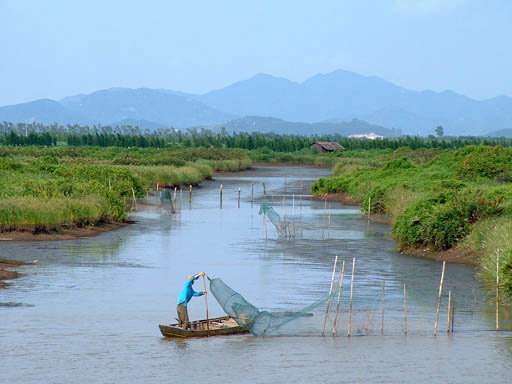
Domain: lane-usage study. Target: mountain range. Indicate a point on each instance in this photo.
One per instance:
(339, 97)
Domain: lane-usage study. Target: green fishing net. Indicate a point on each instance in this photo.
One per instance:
(166, 196)
(259, 323)
(282, 226)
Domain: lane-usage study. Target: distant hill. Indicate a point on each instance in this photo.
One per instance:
(162, 107)
(501, 133)
(44, 111)
(270, 124)
(346, 95)
(336, 96)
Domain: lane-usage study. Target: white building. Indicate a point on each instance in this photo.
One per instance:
(371, 136)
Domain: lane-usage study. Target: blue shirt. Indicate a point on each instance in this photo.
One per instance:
(187, 292)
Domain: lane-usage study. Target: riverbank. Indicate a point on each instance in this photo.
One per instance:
(63, 234)
(442, 204)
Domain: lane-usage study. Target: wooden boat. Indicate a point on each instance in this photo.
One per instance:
(218, 326)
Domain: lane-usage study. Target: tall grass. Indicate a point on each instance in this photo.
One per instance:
(489, 238)
(49, 215)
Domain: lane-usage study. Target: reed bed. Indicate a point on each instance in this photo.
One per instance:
(27, 212)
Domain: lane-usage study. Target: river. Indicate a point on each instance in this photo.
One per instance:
(89, 309)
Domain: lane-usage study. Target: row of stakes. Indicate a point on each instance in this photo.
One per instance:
(451, 301)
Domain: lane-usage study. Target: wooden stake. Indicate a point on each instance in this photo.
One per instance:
(264, 191)
(351, 291)
(220, 196)
(340, 286)
(497, 288)
(382, 319)
(206, 304)
(405, 311)
(157, 184)
(439, 298)
(134, 199)
(238, 197)
(330, 293)
(181, 196)
(175, 189)
(252, 191)
(367, 322)
(449, 310)
(369, 206)
(190, 192)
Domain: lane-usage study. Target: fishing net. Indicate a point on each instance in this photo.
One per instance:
(165, 196)
(282, 226)
(259, 323)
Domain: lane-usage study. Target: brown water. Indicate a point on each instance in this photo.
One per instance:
(89, 311)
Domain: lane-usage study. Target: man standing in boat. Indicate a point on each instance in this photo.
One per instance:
(186, 294)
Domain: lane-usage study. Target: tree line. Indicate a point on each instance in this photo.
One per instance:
(21, 134)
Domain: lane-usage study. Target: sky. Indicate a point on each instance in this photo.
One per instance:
(56, 48)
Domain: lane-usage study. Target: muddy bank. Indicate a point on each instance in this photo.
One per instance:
(64, 234)
(6, 274)
(454, 255)
(340, 197)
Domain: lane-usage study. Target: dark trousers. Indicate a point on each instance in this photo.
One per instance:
(182, 316)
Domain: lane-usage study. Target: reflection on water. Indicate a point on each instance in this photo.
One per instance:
(98, 301)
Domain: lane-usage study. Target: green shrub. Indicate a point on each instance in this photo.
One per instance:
(441, 220)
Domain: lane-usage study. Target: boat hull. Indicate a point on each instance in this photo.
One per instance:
(218, 327)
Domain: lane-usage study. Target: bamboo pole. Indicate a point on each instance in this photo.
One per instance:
(439, 298)
(252, 191)
(220, 196)
(405, 311)
(382, 317)
(330, 293)
(157, 184)
(206, 304)
(340, 286)
(449, 309)
(190, 192)
(497, 288)
(367, 322)
(175, 189)
(181, 196)
(264, 191)
(351, 292)
(238, 197)
(173, 210)
(134, 199)
(369, 206)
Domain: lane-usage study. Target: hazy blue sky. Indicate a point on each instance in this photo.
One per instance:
(55, 48)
